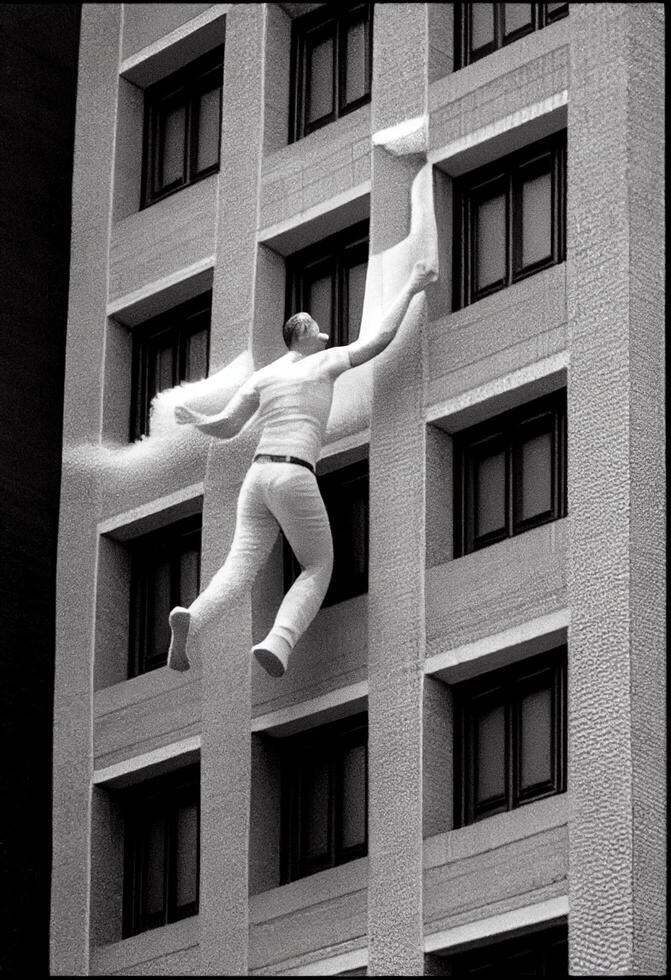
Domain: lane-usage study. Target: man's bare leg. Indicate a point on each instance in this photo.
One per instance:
(273, 654)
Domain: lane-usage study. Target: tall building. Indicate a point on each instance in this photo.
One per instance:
(38, 82)
(463, 769)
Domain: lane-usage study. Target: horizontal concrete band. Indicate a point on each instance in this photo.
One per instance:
(498, 925)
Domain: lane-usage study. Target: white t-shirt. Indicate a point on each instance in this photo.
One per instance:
(295, 396)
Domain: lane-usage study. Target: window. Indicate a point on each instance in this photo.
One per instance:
(510, 732)
(331, 65)
(345, 495)
(182, 127)
(168, 350)
(510, 473)
(324, 797)
(538, 954)
(481, 28)
(165, 572)
(510, 220)
(328, 281)
(161, 853)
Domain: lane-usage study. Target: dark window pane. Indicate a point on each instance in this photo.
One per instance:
(490, 241)
(209, 117)
(159, 609)
(171, 144)
(186, 856)
(521, 964)
(490, 753)
(188, 576)
(536, 738)
(356, 287)
(536, 219)
(154, 869)
(196, 356)
(482, 24)
(556, 9)
(356, 65)
(517, 16)
(316, 792)
(490, 494)
(536, 475)
(354, 797)
(319, 302)
(320, 94)
(161, 364)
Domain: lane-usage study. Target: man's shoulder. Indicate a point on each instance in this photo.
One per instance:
(332, 362)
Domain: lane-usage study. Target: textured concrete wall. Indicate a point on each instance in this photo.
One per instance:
(518, 75)
(615, 490)
(498, 587)
(396, 576)
(499, 334)
(73, 737)
(159, 241)
(171, 950)
(146, 23)
(226, 745)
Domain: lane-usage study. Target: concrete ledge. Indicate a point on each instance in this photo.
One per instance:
(503, 926)
(168, 951)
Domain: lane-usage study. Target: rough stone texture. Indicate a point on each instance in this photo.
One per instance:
(498, 334)
(437, 758)
(226, 741)
(536, 67)
(309, 916)
(167, 951)
(506, 862)
(73, 755)
(309, 172)
(496, 588)
(145, 23)
(396, 574)
(616, 480)
(163, 239)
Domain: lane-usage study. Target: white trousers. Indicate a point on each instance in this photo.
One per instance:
(275, 495)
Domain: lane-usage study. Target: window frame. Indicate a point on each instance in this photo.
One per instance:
(547, 413)
(184, 87)
(337, 254)
(165, 794)
(464, 54)
(331, 488)
(329, 20)
(179, 323)
(505, 687)
(334, 739)
(172, 540)
(547, 155)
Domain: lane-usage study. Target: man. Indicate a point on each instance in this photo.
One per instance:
(293, 397)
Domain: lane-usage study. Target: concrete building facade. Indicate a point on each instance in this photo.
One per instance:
(582, 861)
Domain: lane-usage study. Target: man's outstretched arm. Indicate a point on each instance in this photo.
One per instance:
(227, 423)
(363, 350)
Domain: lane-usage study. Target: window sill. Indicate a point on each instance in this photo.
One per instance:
(149, 947)
(308, 892)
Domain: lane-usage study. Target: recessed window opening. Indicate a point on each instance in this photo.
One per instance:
(510, 220)
(331, 65)
(482, 28)
(182, 128)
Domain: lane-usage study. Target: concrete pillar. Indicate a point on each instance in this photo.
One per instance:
(396, 573)
(80, 490)
(616, 490)
(226, 752)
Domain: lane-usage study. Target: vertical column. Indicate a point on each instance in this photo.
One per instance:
(396, 576)
(226, 744)
(77, 545)
(616, 490)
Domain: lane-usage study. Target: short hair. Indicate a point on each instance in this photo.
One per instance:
(296, 325)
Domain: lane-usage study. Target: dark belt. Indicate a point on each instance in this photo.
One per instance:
(269, 458)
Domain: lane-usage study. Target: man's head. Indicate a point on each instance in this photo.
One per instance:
(301, 333)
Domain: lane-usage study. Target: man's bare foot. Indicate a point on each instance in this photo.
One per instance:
(273, 654)
(179, 620)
